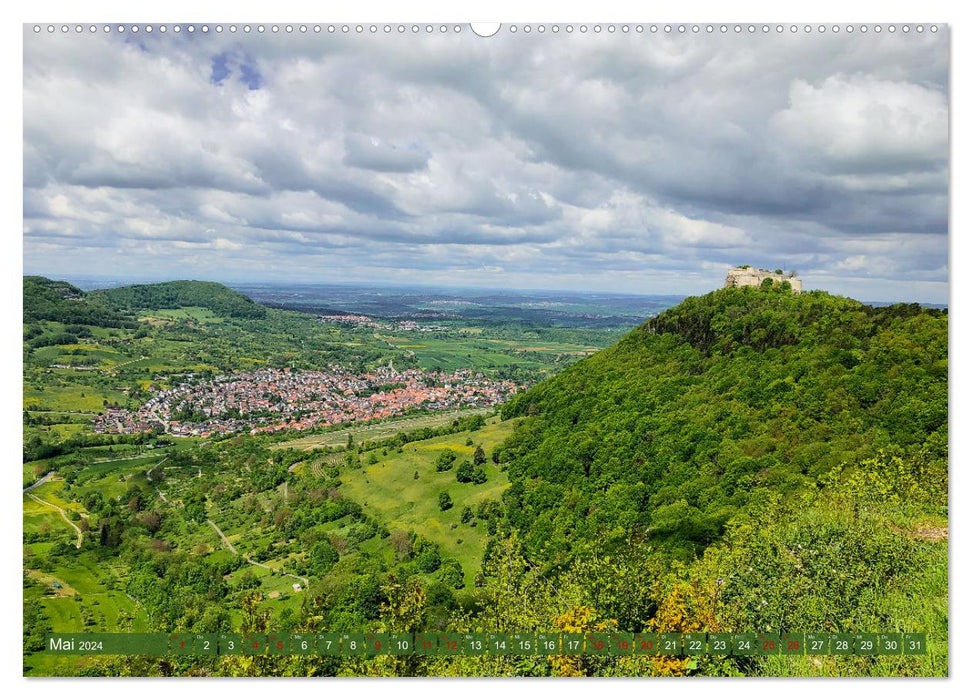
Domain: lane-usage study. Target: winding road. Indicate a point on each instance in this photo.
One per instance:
(63, 515)
(43, 480)
(231, 548)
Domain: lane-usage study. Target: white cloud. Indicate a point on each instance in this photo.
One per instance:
(866, 126)
(549, 161)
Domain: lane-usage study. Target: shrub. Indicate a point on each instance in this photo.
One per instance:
(444, 501)
(445, 461)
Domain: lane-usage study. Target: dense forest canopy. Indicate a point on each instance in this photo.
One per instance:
(717, 403)
(216, 297)
(54, 300)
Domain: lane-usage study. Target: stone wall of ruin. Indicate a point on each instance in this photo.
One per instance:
(753, 277)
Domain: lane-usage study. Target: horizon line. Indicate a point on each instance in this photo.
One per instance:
(128, 281)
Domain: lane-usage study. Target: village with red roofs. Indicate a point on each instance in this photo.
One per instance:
(271, 400)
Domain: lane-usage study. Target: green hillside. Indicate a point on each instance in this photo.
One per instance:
(54, 300)
(216, 297)
(748, 460)
(721, 402)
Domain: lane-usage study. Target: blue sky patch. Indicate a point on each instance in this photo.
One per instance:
(224, 64)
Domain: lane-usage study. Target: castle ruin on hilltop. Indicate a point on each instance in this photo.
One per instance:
(746, 276)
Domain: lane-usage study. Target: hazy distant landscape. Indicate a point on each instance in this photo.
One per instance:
(568, 309)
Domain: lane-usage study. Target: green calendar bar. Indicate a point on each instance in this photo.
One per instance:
(377, 643)
(449, 644)
(524, 644)
(744, 644)
(499, 644)
(352, 644)
(621, 643)
(769, 644)
(277, 644)
(645, 644)
(890, 643)
(254, 644)
(865, 644)
(329, 644)
(669, 643)
(205, 644)
(690, 644)
(842, 644)
(180, 644)
(598, 644)
(138, 643)
(426, 644)
(230, 644)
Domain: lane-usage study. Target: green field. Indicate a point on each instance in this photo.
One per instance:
(452, 353)
(74, 394)
(390, 491)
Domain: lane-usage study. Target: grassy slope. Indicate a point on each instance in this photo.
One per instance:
(389, 492)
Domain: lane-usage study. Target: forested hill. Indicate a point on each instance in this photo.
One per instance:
(725, 400)
(53, 300)
(216, 297)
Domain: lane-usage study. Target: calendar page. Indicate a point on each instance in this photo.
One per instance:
(453, 350)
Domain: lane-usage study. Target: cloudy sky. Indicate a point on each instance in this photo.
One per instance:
(632, 163)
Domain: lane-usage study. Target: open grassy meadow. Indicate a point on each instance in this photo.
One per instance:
(469, 350)
(390, 491)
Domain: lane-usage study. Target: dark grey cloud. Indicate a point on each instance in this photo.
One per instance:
(625, 162)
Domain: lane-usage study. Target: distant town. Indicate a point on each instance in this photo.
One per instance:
(360, 321)
(270, 400)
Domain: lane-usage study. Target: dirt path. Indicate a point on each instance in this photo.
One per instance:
(931, 533)
(231, 548)
(114, 368)
(222, 536)
(63, 515)
(148, 474)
